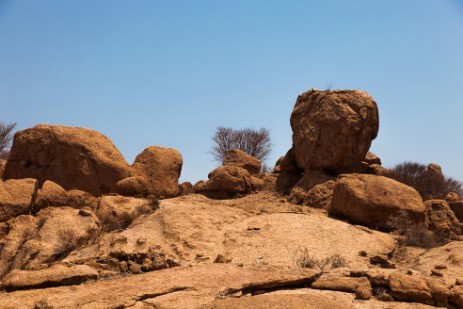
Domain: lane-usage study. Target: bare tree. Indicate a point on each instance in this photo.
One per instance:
(253, 142)
(6, 135)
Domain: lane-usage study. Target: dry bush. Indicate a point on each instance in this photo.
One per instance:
(428, 184)
(306, 260)
(413, 234)
(67, 242)
(6, 135)
(42, 304)
(253, 142)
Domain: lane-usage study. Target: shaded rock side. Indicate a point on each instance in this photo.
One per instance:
(375, 201)
(16, 197)
(74, 158)
(333, 130)
(442, 220)
(56, 275)
(241, 159)
(161, 167)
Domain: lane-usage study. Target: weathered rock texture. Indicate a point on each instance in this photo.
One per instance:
(161, 167)
(56, 275)
(442, 220)
(74, 158)
(241, 159)
(16, 197)
(376, 201)
(333, 130)
(32, 242)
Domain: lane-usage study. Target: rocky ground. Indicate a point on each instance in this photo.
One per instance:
(256, 251)
(328, 228)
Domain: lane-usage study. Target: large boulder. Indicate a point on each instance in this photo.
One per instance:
(239, 158)
(161, 167)
(227, 181)
(376, 201)
(16, 197)
(333, 130)
(74, 158)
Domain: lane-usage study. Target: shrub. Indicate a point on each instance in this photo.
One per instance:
(305, 260)
(253, 142)
(427, 180)
(6, 135)
(42, 304)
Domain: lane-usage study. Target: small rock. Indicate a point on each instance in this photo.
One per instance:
(440, 266)
(459, 281)
(123, 267)
(436, 273)
(134, 267)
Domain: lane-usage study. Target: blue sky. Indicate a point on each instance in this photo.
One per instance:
(169, 72)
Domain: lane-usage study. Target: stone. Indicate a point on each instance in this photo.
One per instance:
(360, 286)
(452, 197)
(375, 201)
(161, 167)
(52, 194)
(442, 220)
(320, 195)
(16, 197)
(457, 208)
(376, 169)
(456, 297)
(56, 275)
(287, 163)
(135, 186)
(229, 180)
(186, 188)
(117, 212)
(409, 288)
(371, 158)
(33, 242)
(74, 158)
(239, 158)
(333, 130)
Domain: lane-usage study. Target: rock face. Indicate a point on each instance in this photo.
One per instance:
(2, 167)
(32, 242)
(16, 197)
(333, 130)
(55, 275)
(161, 167)
(442, 220)
(227, 181)
(74, 158)
(241, 159)
(376, 200)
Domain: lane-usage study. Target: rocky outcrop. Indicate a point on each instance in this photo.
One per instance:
(161, 167)
(74, 158)
(442, 220)
(457, 208)
(360, 286)
(228, 181)
(56, 275)
(117, 212)
(239, 158)
(32, 242)
(136, 186)
(16, 197)
(52, 194)
(375, 201)
(333, 130)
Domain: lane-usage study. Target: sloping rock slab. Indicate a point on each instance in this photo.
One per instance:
(56, 275)
(216, 280)
(16, 197)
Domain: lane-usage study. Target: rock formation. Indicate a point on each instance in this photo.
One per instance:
(333, 130)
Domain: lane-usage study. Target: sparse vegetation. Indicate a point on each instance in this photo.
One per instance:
(42, 304)
(426, 181)
(253, 142)
(413, 234)
(306, 260)
(6, 136)
(68, 241)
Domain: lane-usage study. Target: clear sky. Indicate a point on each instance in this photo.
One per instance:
(169, 72)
